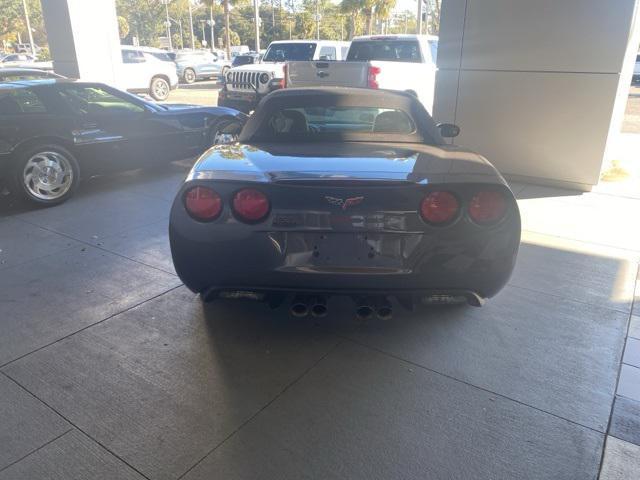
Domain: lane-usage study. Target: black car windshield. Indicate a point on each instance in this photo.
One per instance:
(284, 52)
(320, 123)
(385, 50)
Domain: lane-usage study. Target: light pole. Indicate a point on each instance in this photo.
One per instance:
(212, 24)
(179, 22)
(168, 22)
(193, 41)
(419, 18)
(26, 17)
(257, 22)
(204, 38)
(317, 21)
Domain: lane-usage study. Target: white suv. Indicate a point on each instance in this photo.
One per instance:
(143, 72)
(247, 84)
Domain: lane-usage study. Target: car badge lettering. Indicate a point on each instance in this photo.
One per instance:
(344, 203)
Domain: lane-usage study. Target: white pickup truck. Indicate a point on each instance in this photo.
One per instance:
(393, 62)
(245, 85)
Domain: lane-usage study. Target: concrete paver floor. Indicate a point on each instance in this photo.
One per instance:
(111, 369)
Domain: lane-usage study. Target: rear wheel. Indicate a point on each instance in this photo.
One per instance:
(47, 174)
(189, 75)
(159, 89)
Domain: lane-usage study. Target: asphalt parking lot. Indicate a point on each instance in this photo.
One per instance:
(198, 93)
(111, 369)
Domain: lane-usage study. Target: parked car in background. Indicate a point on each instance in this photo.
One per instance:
(239, 50)
(246, 85)
(393, 62)
(26, 48)
(636, 71)
(53, 132)
(24, 60)
(245, 59)
(14, 74)
(344, 191)
(143, 72)
(13, 59)
(159, 53)
(199, 65)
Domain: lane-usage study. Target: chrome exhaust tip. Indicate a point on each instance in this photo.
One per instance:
(299, 307)
(319, 307)
(384, 310)
(364, 312)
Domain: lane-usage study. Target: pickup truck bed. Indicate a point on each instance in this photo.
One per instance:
(394, 62)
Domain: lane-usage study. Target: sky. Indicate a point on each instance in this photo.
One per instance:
(402, 5)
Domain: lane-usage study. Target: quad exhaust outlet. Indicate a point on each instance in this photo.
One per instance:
(303, 305)
(367, 308)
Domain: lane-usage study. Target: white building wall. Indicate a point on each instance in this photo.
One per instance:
(533, 84)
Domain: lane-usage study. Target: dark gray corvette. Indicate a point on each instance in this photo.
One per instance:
(344, 191)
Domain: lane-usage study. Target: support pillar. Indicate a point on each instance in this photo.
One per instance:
(83, 38)
(536, 86)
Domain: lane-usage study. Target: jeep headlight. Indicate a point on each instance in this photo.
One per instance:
(264, 77)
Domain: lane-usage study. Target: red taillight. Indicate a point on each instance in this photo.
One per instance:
(487, 207)
(202, 203)
(439, 207)
(372, 79)
(251, 205)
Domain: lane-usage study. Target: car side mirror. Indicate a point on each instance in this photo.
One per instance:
(448, 130)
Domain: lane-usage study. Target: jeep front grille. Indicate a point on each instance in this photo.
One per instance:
(243, 80)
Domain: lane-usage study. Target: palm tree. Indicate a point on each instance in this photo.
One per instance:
(383, 9)
(352, 8)
(368, 8)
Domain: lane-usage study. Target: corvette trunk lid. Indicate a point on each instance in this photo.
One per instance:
(343, 187)
(339, 163)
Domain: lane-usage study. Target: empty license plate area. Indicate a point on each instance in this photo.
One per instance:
(344, 250)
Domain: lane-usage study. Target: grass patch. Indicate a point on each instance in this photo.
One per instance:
(615, 173)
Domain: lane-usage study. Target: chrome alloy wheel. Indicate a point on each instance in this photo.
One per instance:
(160, 89)
(48, 175)
(220, 138)
(189, 76)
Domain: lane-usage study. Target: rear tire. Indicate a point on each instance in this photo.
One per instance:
(46, 175)
(189, 75)
(159, 89)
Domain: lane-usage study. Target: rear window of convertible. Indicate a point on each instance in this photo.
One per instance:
(288, 123)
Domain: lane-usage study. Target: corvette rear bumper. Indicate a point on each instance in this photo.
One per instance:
(426, 297)
(476, 266)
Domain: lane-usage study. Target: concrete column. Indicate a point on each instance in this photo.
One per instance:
(536, 86)
(83, 38)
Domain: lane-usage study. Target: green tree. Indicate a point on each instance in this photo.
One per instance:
(123, 27)
(352, 9)
(13, 25)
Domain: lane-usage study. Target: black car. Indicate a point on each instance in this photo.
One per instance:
(53, 132)
(339, 191)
